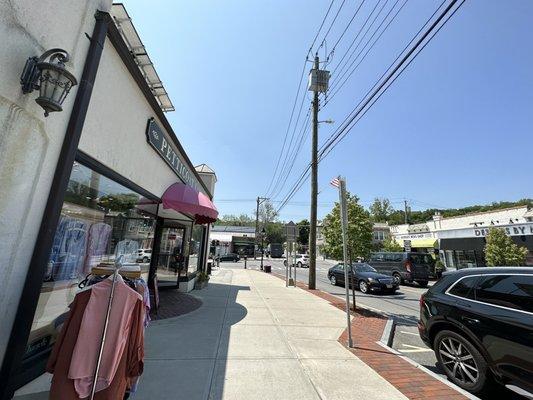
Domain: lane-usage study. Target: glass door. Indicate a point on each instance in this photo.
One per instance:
(171, 261)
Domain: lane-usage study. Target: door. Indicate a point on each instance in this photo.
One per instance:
(504, 322)
(171, 260)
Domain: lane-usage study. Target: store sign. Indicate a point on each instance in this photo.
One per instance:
(162, 144)
(513, 230)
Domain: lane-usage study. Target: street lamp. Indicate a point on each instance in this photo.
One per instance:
(263, 232)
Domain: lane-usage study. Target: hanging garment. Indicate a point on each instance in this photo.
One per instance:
(142, 288)
(129, 367)
(69, 251)
(99, 235)
(85, 354)
(128, 248)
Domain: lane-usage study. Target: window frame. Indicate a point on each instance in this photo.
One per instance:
(447, 292)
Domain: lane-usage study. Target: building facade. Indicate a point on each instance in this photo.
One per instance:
(232, 239)
(460, 240)
(104, 180)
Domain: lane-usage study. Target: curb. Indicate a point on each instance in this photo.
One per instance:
(388, 333)
(386, 342)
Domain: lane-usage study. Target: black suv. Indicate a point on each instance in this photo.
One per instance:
(479, 322)
(404, 266)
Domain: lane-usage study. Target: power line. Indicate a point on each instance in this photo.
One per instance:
(361, 110)
(362, 37)
(320, 28)
(288, 127)
(339, 86)
(331, 25)
(334, 138)
(345, 30)
(296, 98)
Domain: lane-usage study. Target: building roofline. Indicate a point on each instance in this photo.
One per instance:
(122, 49)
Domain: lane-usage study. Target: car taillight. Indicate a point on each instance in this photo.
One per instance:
(421, 302)
(408, 266)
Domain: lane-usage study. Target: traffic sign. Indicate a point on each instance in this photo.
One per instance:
(291, 231)
(407, 245)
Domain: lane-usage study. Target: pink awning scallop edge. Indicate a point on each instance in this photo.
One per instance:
(185, 199)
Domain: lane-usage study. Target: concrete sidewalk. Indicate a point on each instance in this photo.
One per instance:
(253, 338)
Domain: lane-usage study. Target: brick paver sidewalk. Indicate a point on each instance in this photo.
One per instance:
(367, 329)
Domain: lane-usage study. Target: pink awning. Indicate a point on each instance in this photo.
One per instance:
(185, 199)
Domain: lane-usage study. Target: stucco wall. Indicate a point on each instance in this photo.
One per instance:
(29, 143)
(115, 128)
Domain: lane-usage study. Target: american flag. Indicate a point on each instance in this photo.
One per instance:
(335, 182)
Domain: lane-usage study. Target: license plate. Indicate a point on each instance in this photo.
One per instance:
(389, 286)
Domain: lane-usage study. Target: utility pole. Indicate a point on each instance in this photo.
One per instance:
(314, 187)
(406, 220)
(259, 201)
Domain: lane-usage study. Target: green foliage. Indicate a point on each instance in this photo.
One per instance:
(439, 265)
(202, 276)
(236, 220)
(397, 217)
(359, 232)
(267, 212)
(119, 202)
(275, 232)
(500, 250)
(381, 209)
(303, 232)
(389, 244)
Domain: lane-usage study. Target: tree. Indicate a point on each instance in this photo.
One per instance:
(389, 244)
(381, 209)
(275, 232)
(303, 232)
(267, 213)
(236, 220)
(500, 250)
(359, 233)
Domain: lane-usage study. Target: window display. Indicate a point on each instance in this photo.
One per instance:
(99, 222)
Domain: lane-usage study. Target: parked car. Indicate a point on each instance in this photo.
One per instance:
(366, 278)
(479, 322)
(403, 266)
(144, 255)
(302, 260)
(229, 257)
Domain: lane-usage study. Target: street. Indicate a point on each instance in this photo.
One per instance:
(402, 306)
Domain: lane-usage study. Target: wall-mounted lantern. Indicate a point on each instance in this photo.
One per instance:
(50, 77)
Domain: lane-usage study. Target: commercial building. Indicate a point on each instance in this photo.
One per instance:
(461, 240)
(232, 239)
(103, 179)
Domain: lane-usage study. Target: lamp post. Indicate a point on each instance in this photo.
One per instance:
(263, 232)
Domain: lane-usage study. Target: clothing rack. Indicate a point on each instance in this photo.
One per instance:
(105, 271)
(109, 271)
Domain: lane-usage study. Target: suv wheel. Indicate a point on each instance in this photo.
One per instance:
(299, 264)
(398, 278)
(363, 287)
(462, 362)
(333, 280)
(145, 259)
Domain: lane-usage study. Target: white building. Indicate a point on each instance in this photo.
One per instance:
(461, 240)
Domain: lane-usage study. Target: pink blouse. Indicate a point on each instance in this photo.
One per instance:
(85, 354)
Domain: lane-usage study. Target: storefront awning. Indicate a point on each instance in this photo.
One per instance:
(423, 243)
(185, 199)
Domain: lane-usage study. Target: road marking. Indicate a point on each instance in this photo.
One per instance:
(409, 333)
(414, 349)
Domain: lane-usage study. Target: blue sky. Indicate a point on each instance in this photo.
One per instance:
(452, 131)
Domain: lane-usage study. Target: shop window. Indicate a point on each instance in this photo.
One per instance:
(465, 259)
(195, 248)
(99, 222)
